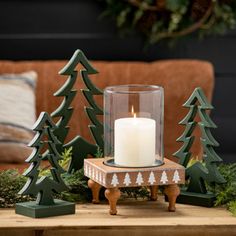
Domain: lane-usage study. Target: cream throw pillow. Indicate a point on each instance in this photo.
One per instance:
(17, 115)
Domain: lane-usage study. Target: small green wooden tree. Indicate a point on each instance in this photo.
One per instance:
(199, 173)
(184, 153)
(43, 186)
(81, 148)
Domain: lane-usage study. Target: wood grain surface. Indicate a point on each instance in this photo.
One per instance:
(134, 218)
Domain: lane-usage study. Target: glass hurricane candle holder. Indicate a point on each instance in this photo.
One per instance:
(133, 125)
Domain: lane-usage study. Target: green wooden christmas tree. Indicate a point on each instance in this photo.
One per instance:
(81, 147)
(44, 186)
(199, 173)
(94, 110)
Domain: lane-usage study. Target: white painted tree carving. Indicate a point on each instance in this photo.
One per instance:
(100, 176)
(151, 179)
(176, 177)
(89, 171)
(86, 169)
(139, 179)
(114, 180)
(164, 178)
(103, 179)
(127, 180)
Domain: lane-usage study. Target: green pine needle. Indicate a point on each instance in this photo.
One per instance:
(10, 184)
(225, 193)
(11, 181)
(99, 153)
(168, 23)
(232, 207)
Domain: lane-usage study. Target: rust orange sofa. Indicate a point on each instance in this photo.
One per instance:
(178, 77)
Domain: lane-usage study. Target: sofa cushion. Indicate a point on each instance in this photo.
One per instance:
(17, 115)
(178, 78)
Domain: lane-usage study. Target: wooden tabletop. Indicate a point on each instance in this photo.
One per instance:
(134, 218)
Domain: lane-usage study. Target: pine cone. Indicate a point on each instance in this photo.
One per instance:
(199, 8)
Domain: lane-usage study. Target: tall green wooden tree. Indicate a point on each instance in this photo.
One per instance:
(97, 127)
(81, 147)
(64, 111)
(198, 173)
(44, 186)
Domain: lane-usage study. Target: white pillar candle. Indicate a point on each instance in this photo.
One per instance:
(135, 142)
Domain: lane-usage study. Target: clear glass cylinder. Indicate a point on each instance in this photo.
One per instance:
(133, 125)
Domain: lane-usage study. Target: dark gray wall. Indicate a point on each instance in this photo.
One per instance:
(31, 30)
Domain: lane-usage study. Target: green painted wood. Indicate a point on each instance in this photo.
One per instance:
(197, 199)
(94, 110)
(198, 96)
(45, 186)
(206, 118)
(187, 132)
(33, 210)
(78, 57)
(184, 153)
(207, 137)
(65, 111)
(198, 173)
(81, 148)
(190, 116)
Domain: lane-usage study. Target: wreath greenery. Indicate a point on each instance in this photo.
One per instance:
(170, 19)
(11, 181)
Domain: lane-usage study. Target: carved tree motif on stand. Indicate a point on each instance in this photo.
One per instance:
(139, 179)
(151, 179)
(176, 177)
(114, 180)
(127, 180)
(164, 178)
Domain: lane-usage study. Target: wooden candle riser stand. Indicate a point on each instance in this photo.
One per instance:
(169, 175)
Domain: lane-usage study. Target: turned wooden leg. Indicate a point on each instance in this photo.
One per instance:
(154, 190)
(172, 191)
(112, 195)
(95, 187)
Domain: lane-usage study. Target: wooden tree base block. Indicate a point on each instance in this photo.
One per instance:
(33, 210)
(196, 199)
(169, 174)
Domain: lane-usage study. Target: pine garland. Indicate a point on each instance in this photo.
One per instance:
(167, 19)
(11, 181)
(226, 193)
(10, 184)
